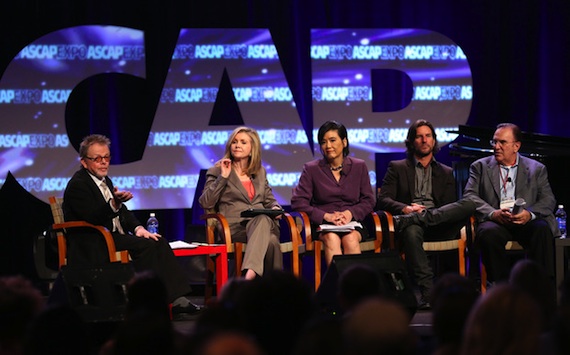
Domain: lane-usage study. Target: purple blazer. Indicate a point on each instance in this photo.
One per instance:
(318, 192)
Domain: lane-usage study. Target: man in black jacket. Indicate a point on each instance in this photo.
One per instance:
(420, 192)
(90, 196)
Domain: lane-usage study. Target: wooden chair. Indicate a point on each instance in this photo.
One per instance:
(292, 244)
(510, 246)
(434, 246)
(60, 227)
(315, 246)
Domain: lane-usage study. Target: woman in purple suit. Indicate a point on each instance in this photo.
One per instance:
(335, 190)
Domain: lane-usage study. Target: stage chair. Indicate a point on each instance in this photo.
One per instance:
(315, 246)
(511, 245)
(218, 231)
(60, 227)
(458, 244)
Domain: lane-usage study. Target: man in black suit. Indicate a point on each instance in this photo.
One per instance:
(420, 192)
(90, 196)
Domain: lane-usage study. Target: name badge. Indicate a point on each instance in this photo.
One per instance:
(507, 203)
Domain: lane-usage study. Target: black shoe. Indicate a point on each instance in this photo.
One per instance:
(403, 221)
(423, 304)
(190, 308)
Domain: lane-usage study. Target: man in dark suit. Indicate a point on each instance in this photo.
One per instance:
(494, 184)
(90, 196)
(421, 193)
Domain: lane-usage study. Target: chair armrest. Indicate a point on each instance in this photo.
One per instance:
(388, 218)
(294, 234)
(211, 227)
(102, 230)
(303, 225)
(377, 228)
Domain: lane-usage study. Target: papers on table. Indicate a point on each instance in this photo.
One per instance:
(344, 228)
(179, 244)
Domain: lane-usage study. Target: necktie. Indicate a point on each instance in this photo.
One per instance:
(109, 196)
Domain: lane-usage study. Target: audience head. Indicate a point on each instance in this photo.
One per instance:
(561, 328)
(146, 292)
(20, 304)
(321, 336)
(340, 129)
(275, 307)
(531, 277)
(411, 149)
(144, 332)
(506, 320)
(357, 283)
(147, 328)
(230, 343)
(59, 330)
(378, 326)
(452, 298)
(254, 140)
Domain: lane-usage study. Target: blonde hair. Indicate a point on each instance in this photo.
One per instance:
(90, 140)
(255, 158)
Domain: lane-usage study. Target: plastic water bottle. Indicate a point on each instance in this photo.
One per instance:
(152, 223)
(561, 220)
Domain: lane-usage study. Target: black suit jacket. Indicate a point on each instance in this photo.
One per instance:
(398, 187)
(83, 201)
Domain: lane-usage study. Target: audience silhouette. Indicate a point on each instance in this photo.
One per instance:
(452, 298)
(20, 304)
(378, 326)
(506, 320)
(277, 314)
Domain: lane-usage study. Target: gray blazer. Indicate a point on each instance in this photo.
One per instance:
(531, 184)
(229, 197)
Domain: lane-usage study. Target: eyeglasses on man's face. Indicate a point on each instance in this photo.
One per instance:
(501, 143)
(100, 159)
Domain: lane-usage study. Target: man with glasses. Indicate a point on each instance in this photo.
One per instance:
(494, 184)
(90, 196)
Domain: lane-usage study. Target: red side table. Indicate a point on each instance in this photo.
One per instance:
(219, 251)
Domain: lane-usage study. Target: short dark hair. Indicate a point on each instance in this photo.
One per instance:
(334, 126)
(517, 134)
(412, 131)
(90, 140)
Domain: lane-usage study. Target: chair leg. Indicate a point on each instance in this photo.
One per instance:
(295, 263)
(210, 272)
(483, 278)
(238, 248)
(461, 252)
(318, 261)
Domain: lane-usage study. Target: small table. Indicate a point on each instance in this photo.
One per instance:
(559, 245)
(219, 251)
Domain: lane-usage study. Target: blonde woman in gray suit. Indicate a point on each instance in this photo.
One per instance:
(238, 182)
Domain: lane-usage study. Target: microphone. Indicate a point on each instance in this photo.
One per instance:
(509, 179)
(518, 206)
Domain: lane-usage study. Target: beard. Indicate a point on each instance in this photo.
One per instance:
(421, 154)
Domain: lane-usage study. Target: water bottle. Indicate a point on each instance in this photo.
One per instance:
(561, 220)
(152, 223)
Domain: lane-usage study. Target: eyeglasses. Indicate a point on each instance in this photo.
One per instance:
(99, 159)
(493, 142)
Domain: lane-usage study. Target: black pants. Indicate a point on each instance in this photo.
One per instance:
(438, 224)
(535, 237)
(157, 256)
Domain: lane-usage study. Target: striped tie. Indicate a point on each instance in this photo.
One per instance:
(109, 196)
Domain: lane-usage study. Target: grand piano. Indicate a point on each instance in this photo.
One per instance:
(473, 143)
